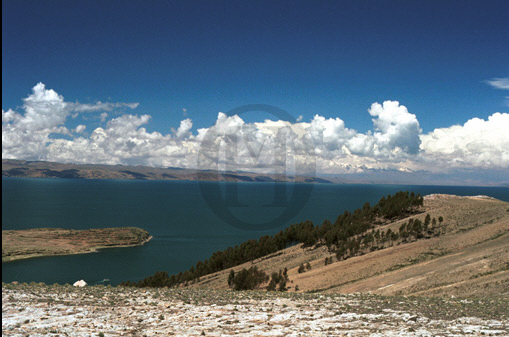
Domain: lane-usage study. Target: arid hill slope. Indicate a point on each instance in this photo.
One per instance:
(469, 258)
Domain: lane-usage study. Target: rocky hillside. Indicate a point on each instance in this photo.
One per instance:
(468, 257)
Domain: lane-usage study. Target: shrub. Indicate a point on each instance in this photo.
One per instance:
(247, 279)
(278, 280)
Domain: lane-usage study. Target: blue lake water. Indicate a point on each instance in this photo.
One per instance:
(188, 220)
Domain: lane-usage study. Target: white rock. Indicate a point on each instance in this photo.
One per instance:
(80, 283)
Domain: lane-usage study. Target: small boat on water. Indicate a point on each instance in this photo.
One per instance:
(103, 281)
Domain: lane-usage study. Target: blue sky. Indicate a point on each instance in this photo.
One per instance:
(307, 57)
(328, 58)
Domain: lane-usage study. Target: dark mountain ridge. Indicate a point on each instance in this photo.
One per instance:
(43, 169)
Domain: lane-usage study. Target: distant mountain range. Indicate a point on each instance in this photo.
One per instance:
(43, 169)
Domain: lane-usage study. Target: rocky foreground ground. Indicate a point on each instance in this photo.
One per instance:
(41, 310)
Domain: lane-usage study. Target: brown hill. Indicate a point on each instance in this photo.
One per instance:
(469, 258)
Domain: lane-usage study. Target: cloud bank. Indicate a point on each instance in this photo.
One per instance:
(322, 145)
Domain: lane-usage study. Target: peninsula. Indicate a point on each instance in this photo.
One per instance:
(28, 243)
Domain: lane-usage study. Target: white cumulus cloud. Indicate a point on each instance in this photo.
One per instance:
(184, 130)
(80, 128)
(477, 143)
(327, 145)
(395, 128)
(103, 116)
(27, 135)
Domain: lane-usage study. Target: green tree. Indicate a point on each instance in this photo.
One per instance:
(278, 280)
(427, 222)
(231, 277)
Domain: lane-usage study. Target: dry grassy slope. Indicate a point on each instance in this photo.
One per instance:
(470, 259)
